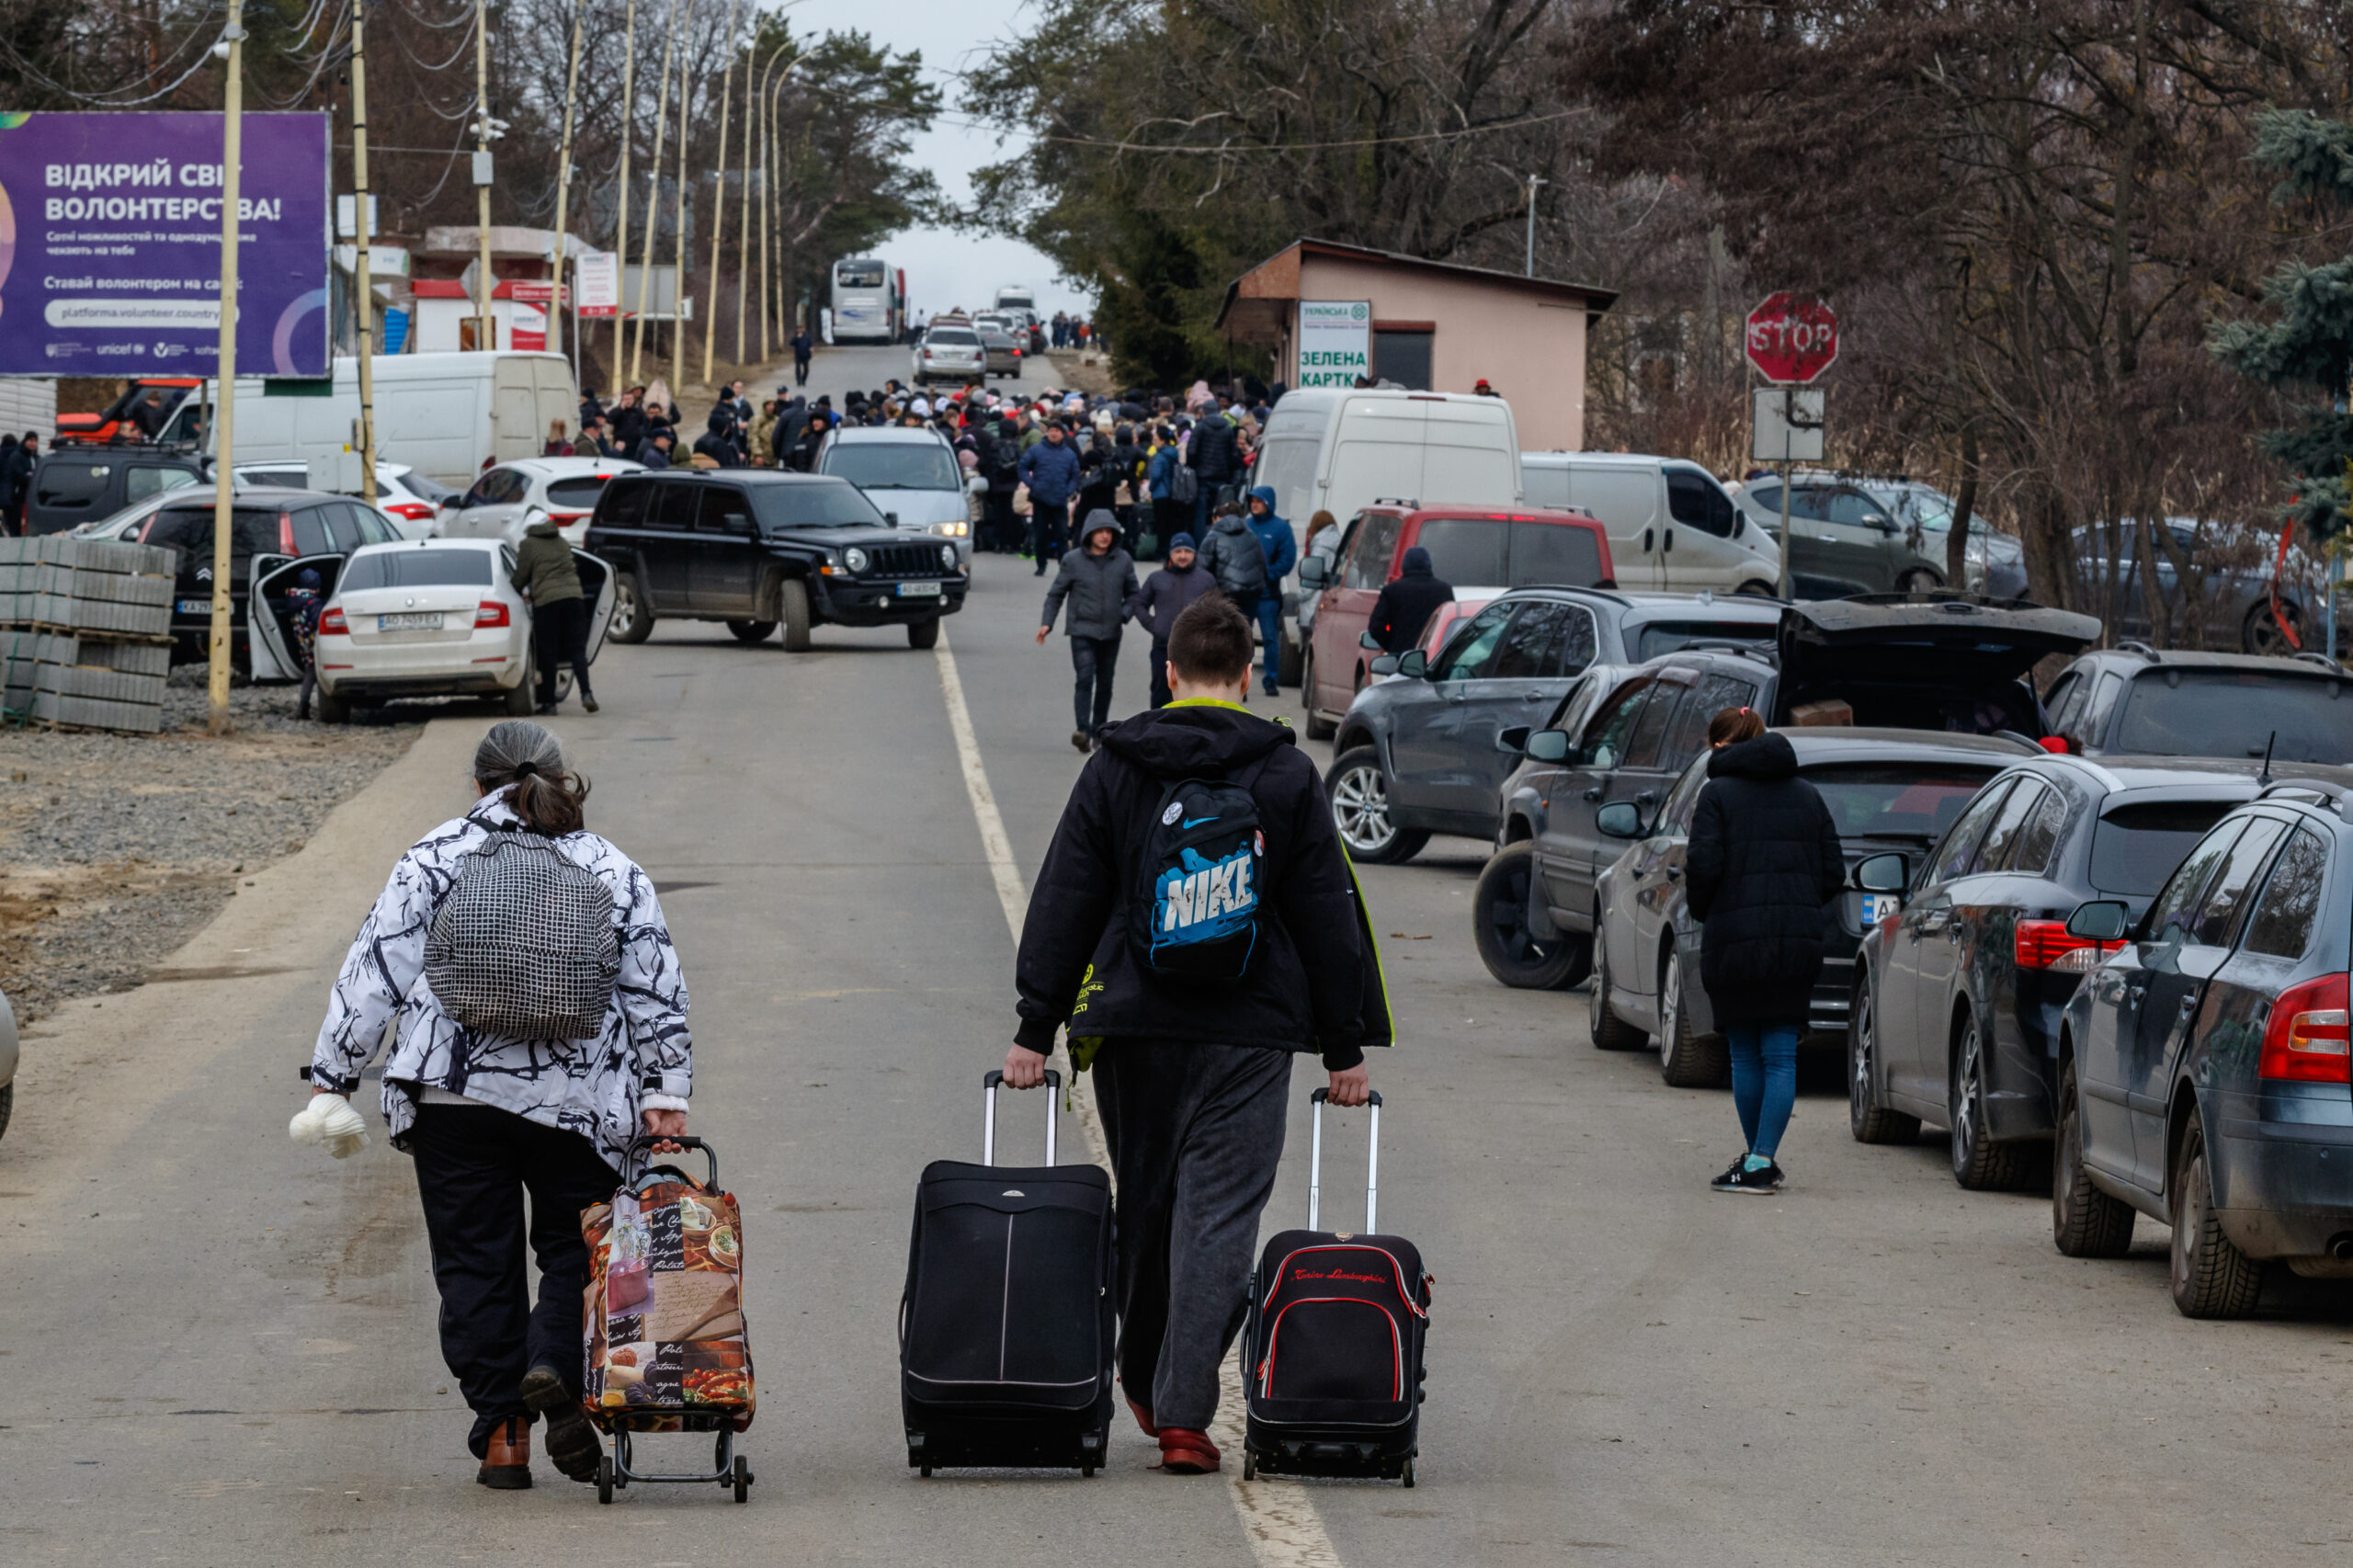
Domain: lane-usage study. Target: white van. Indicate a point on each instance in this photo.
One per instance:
(1671, 525)
(447, 415)
(1338, 450)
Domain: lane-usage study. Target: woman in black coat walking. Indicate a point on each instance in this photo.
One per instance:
(1763, 859)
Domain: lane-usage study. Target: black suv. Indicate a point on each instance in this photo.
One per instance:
(758, 548)
(2136, 702)
(2203, 1068)
(87, 482)
(1965, 970)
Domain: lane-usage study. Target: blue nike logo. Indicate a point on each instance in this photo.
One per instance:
(1196, 822)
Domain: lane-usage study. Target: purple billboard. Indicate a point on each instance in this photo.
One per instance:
(111, 245)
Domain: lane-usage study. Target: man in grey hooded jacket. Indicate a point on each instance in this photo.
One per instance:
(1097, 580)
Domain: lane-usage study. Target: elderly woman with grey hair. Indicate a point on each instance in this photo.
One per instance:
(490, 1117)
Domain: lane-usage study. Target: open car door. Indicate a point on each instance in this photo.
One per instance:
(270, 610)
(597, 587)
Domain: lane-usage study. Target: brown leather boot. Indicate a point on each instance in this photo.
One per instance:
(506, 1465)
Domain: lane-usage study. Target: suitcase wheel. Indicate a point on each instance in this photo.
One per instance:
(743, 1478)
(1406, 1475)
(1249, 1465)
(605, 1479)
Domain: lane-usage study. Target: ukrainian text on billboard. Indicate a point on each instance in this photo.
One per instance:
(1335, 341)
(111, 245)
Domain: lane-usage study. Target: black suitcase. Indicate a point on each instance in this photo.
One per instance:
(1006, 1329)
(1334, 1341)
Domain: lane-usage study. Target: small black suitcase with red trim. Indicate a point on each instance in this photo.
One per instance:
(1334, 1343)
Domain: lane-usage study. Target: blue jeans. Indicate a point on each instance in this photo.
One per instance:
(1271, 627)
(1764, 1081)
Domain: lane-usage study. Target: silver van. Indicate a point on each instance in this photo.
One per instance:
(1671, 525)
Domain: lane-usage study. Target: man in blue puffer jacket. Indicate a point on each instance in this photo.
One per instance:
(1282, 554)
(1051, 471)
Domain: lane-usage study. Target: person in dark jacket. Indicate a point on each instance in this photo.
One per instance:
(803, 346)
(629, 424)
(1051, 471)
(1193, 1081)
(1281, 550)
(1165, 595)
(1099, 579)
(546, 575)
(1214, 454)
(1763, 861)
(1403, 608)
(655, 452)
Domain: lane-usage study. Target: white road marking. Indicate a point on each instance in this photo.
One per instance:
(1277, 1516)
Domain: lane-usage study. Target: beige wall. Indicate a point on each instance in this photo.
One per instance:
(1530, 350)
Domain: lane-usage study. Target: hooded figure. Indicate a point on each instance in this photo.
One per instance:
(1163, 598)
(548, 576)
(1233, 556)
(1281, 550)
(1405, 604)
(1097, 580)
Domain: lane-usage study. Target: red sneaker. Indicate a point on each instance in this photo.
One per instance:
(1144, 1419)
(1187, 1453)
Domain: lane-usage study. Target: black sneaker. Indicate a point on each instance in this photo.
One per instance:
(1079, 739)
(1738, 1177)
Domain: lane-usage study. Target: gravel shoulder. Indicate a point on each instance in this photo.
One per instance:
(114, 849)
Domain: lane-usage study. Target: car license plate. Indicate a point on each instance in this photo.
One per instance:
(418, 620)
(919, 590)
(1877, 906)
(195, 607)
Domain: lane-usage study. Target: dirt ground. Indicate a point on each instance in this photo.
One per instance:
(115, 848)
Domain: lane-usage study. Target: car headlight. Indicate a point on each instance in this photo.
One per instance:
(952, 530)
(947, 554)
(854, 559)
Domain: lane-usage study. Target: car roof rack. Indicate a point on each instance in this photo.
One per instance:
(1408, 502)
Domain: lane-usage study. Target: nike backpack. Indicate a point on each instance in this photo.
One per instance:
(1204, 887)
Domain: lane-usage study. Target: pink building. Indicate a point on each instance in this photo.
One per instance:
(1429, 325)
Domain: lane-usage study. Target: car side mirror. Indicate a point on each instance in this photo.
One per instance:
(1881, 873)
(1315, 572)
(1618, 819)
(1367, 640)
(1412, 663)
(1384, 665)
(2101, 920)
(1512, 739)
(1548, 745)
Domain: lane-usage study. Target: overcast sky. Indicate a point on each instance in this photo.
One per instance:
(946, 268)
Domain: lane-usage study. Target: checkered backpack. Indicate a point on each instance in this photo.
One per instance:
(524, 946)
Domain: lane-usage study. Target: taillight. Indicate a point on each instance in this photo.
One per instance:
(2306, 1039)
(492, 613)
(415, 511)
(332, 624)
(286, 533)
(2047, 944)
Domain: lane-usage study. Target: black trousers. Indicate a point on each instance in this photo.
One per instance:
(999, 532)
(1196, 1134)
(560, 635)
(1093, 661)
(1160, 696)
(800, 369)
(1047, 525)
(474, 1163)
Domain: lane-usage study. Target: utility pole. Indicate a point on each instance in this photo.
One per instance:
(233, 111)
(362, 285)
(766, 120)
(1533, 181)
(629, 130)
(768, 225)
(563, 191)
(751, 100)
(485, 327)
(719, 185)
(678, 312)
(679, 10)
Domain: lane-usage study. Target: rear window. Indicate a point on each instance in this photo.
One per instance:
(2236, 713)
(836, 504)
(894, 465)
(1656, 637)
(1553, 552)
(962, 336)
(2136, 847)
(581, 492)
(1491, 552)
(417, 569)
(72, 483)
(425, 489)
(1896, 800)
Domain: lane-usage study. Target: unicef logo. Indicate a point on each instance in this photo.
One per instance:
(1359, 312)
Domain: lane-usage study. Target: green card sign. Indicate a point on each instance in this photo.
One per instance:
(1335, 341)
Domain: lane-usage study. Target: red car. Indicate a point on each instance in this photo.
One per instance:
(1478, 551)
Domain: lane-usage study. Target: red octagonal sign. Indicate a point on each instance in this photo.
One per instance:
(1791, 339)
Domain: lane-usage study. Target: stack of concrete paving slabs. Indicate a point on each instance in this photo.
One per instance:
(86, 630)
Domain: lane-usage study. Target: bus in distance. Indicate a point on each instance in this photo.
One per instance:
(870, 300)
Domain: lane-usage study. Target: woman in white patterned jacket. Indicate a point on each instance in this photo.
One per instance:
(488, 1118)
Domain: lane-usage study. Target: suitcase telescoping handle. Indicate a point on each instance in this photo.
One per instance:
(635, 1161)
(988, 1134)
(1371, 1169)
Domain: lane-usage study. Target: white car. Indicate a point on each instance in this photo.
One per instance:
(430, 618)
(912, 476)
(405, 496)
(512, 496)
(950, 351)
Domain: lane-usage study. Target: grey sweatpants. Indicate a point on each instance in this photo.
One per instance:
(1196, 1134)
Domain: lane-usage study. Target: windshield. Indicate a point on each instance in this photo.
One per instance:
(2136, 847)
(2236, 713)
(1899, 800)
(825, 504)
(425, 489)
(417, 569)
(858, 275)
(1658, 637)
(894, 465)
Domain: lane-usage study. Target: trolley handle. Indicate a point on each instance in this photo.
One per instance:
(1315, 1163)
(634, 1170)
(988, 1126)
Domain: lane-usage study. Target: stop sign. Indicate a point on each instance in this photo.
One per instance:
(1791, 339)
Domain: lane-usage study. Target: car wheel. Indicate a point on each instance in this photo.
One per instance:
(751, 631)
(1507, 945)
(1359, 793)
(2085, 1221)
(1753, 589)
(8, 1106)
(1685, 1060)
(1869, 1120)
(924, 633)
(1979, 1164)
(333, 709)
(1919, 580)
(2262, 634)
(1608, 1030)
(521, 701)
(792, 596)
(1317, 727)
(632, 622)
(1289, 661)
(2211, 1277)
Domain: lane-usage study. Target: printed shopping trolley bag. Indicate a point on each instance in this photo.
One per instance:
(666, 1351)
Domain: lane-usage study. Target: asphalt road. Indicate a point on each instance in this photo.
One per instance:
(219, 1348)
